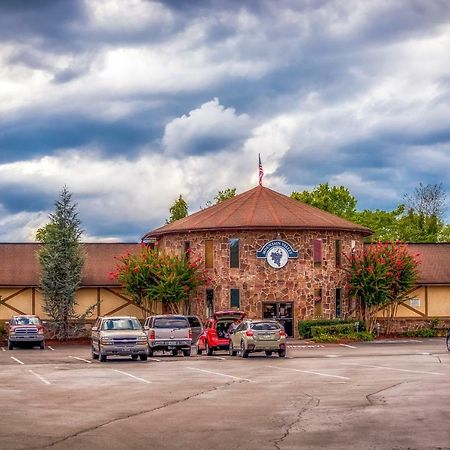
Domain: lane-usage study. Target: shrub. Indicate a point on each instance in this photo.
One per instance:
(304, 326)
(424, 332)
(338, 329)
(361, 336)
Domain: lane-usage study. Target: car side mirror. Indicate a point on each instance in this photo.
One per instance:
(94, 329)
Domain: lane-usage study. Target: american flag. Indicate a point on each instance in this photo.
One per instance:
(261, 171)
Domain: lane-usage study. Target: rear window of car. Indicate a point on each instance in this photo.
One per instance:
(121, 324)
(194, 322)
(163, 322)
(264, 326)
(25, 321)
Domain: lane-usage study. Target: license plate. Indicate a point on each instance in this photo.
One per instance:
(171, 347)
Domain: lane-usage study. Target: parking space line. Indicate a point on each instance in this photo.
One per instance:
(219, 357)
(154, 359)
(132, 376)
(349, 346)
(18, 360)
(313, 373)
(3, 349)
(39, 376)
(222, 374)
(331, 356)
(80, 359)
(393, 368)
(51, 348)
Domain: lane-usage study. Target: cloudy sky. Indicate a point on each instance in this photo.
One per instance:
(131, 103)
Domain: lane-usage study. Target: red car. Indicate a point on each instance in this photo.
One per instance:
(215, 334)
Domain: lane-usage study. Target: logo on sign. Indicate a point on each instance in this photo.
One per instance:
(277, 253)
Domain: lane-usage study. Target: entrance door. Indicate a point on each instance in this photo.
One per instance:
(283, 312)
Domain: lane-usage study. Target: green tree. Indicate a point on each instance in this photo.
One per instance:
(221, 196)
(150, 276)
(333, 199)
(61, 257)
(178, 210)
(380, 277)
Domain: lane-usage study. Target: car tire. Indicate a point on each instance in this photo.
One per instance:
(244, 353)
(143, 357)
(199, 350)
(134, 357)
(231, 350)
(42, 345)
(209, 351)
(94, 355)
(448, 342)
(10, 345)
(174, 352)
(102, 358)
(268, 353)
(281, 353)
(150, 352)
(187, 352)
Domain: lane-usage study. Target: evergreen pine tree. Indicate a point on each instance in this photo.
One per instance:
(61, 257)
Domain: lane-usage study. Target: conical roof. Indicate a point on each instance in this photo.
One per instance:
(259, 208)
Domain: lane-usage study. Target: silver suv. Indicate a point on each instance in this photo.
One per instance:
(168, 332)
(121, 336)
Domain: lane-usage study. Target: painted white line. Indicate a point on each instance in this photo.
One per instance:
(81, 359)
(18, 360)
(425, 353)
(393, 368)
(220, 357)
(132, 376)
(349, 346)
(313, 373)
(331, 356)
(41, 378)
(3, 349)
(393, 341)
(154, 359)
(222, 374)
(51, 348)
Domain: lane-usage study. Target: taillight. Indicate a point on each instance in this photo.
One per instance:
(282, 333)
(249, 333)
(190, 333)
(151, 336)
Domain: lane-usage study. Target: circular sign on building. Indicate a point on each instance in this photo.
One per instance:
(277, 253)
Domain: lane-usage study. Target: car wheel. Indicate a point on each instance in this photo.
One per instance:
(244, 353)
(208, 349)
(94, 355)
(199, 350)
(150, 352)
(231, 350)
(281, 353)
(134, 357)
(103, 358)
(187, 352)
(42, 345)
(448, 342)
(143, 357)
(10, 345)
(174, 352)
(268, 353)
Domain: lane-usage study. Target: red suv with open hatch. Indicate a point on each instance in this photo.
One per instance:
(215, 334)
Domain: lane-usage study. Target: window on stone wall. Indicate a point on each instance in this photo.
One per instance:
(187, 249)
(317, 252)
(234, 253)
(338, 302)
(209, 300)
(318, 302)
(338, 255)
(209, 255)
(235, 298)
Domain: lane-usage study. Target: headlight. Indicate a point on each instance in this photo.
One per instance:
(142, 340)
(106, 340)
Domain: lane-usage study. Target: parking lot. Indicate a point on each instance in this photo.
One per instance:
(379, 395)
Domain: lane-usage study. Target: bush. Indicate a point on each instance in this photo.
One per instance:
(304, 326)
(338, 329)
(361, 336)
(424, 332)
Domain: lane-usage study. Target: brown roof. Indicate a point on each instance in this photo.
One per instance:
(259, 208)
(19, 265)
(434, 267)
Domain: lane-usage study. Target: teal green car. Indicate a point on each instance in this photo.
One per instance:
(258, 336)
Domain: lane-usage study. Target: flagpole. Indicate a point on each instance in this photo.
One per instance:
(260, 169)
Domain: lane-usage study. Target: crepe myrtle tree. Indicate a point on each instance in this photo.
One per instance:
(151, 277)
(61, 257)
(380, 277)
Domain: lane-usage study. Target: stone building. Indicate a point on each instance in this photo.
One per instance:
(268, 255)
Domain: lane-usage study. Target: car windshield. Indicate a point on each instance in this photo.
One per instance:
(121, 324)
(169, 322)
(265, 326)
(26, 321)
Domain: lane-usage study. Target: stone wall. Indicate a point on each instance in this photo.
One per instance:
(258, 282)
